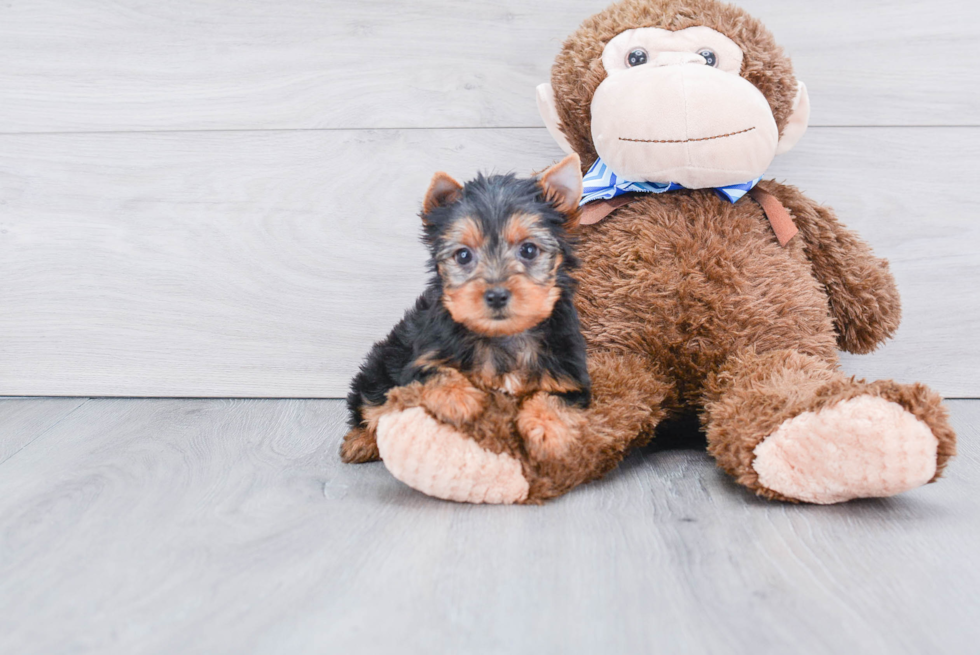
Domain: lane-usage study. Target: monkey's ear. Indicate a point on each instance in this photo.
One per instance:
(562, 185)
(798, 121)
(546, 106)
(443, 190)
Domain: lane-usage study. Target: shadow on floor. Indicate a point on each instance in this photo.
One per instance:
(679, 433)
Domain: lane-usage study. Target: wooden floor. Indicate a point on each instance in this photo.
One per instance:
(230, 526)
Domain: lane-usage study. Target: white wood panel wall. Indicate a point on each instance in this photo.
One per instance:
(112, 65)
(218, 198)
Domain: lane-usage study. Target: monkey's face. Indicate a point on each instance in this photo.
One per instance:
(695, 92)
(673, 108)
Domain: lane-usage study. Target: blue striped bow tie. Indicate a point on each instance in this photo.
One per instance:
(600, 183)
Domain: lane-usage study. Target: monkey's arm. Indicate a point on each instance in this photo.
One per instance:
(864, 301)
(555, 447)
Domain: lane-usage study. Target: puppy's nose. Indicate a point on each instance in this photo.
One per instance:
(496, 297)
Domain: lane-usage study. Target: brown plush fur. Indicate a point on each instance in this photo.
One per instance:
(689, 303)
(861, 292)
(700, 285)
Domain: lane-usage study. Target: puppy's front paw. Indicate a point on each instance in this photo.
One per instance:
(359, 446)
(452, 399)
(548, 426)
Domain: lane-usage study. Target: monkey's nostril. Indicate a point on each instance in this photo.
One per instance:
(496, 297)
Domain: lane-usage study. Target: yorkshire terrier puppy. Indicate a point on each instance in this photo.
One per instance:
(498, 314)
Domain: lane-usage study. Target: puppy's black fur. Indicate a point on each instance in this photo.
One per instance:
(428, 337)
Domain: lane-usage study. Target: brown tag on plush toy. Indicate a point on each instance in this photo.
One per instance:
(779, 218)
(599, 209)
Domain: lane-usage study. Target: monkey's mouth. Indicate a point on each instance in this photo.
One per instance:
(704, 138)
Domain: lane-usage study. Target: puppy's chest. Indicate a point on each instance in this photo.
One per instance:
(511, 365)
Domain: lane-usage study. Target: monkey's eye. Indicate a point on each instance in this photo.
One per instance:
(528, 251)
(463, 256)
(710, 58)
(636, 57)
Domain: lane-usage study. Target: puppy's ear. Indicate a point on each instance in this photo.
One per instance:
(443, 190)
(562, 185)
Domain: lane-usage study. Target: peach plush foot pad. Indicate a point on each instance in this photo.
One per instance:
(860, 448)
(438, 461)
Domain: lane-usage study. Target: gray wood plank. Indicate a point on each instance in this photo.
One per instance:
(24, 420)
(197, 526)
(140, 65)
(265, 264)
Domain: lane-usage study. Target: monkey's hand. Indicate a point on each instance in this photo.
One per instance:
(864, 301)
(479, 462)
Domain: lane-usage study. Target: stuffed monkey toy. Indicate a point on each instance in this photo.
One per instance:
(703, 287)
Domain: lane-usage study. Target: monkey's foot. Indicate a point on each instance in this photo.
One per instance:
(439, 461)
(859, 448)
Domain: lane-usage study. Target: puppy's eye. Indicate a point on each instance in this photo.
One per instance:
(528, 251)
(463, 256)
(636, 57)
(710, 58)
